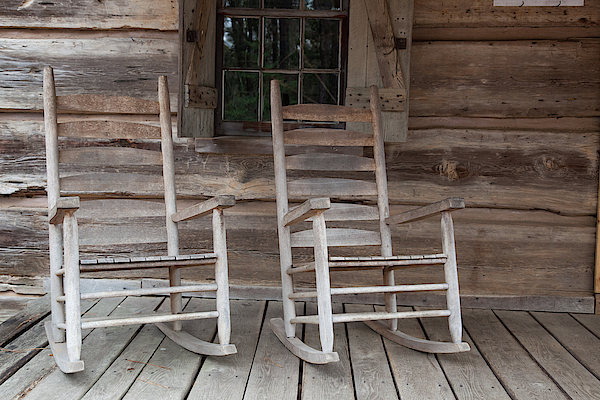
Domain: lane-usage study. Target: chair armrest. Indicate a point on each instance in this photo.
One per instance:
(204, 208)
(426, 211)
(306, 210)
(56, 214)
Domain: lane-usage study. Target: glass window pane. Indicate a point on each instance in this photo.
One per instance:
(288, 85)
(321, 44)
(322, 4)
(282, 43)
(282, 4)
(320, 88)
(241, 42)
(241, 96)
(242, 3)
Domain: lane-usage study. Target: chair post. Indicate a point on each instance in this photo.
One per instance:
(323, 283)
(383, 201)
(72, 292)
(285, 253)
(451, 274)
(170, 197)
(220, 248)
(53, 191)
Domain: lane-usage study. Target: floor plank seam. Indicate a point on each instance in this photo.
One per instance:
(588, 329)
(544, 370)
(419, 320)
(490, 366)
(574, 355)
(350, 357)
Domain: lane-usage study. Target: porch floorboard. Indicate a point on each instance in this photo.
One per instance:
(515, 355)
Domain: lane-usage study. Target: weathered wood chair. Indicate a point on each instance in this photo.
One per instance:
(98, 180)
(319, 210)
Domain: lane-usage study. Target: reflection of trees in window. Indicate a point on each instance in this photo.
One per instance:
(296, 42)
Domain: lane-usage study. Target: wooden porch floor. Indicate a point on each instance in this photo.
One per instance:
(515, 355)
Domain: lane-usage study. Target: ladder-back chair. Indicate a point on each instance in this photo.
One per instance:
(105, 169)
(297, 178)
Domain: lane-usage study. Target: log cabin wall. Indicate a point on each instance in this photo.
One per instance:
(504, 111)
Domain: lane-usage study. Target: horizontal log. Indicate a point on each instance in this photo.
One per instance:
(160, 14)
(108, 130)
(338, 237)
(325, 113)
(329, 162)
(110, 156)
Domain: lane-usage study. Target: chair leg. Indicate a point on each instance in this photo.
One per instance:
(287, 283)
(220, 248)
(323, 284)
(451, 274)
(56, 281)
(175, 298)
(390, 298)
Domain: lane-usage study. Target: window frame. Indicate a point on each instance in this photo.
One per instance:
(263, 128)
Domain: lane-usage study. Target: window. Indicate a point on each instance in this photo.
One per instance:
(299, 42)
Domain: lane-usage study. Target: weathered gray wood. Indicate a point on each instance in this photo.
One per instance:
(306, 210)
(18, 323)
(591, 322)
(202, 209)
(520, 375)
(42, 364)
(325, 112)
(351, 212)
(353, 317)
(329, 162)
(426, 211)
(332, 380)
(63, 206)
(574, 337)
(299, 348)
(372, 376)
(79, 14)
(94, 235)
(112, 183)
(104, 346)
(107, 130)
(327, 137)
(112, 156)
(180, 366)
(275, 371)
(467, 372)
(104, 104)
(391, 99)
(226, 377)
(338, 237)
(330, 186)
(566, 371)
(409, 367)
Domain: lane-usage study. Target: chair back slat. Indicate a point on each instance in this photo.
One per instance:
(109, 156)
(338, 237)
(327, 137)
(104, 104)
(334, 187)
(326, 113)
(108, 130)
(329, 162)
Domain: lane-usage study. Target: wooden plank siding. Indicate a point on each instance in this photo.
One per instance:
(504, 111)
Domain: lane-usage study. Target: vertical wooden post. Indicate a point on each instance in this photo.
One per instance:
(323, 283)
(597, 264)
(285, 253)
(220, 248)
(53, 191)
(170, 197)
(451, 274)
(72, 293)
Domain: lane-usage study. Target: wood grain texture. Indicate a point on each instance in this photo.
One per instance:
(408, 366)
(520, 375)
(327, 381)
(110, 156)
(372, 375)
(80, 14)
(108, 130)
(566, 371)
(275, 370)
(467, 372)
(43, 364)
(226, 377)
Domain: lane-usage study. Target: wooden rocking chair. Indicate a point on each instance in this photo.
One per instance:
(318, 210)
(104, 180)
